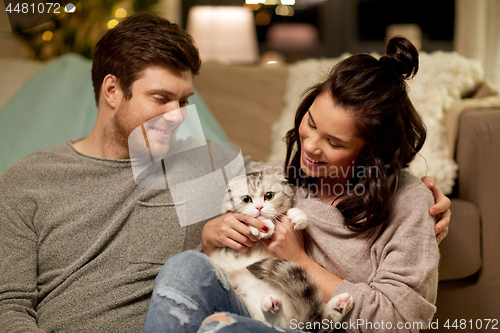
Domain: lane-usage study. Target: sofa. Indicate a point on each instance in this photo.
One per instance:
(243, 104)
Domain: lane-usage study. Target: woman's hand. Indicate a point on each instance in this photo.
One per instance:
(441, 210)
(229, 231)
(286, 243)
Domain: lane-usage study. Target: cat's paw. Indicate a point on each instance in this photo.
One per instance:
(254, 231)
(270, 226)
(270, 304)
(339, 306)
(298, 218)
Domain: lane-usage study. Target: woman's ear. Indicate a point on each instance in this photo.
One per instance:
(111, 91)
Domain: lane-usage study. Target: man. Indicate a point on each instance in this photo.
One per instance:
(80, 242)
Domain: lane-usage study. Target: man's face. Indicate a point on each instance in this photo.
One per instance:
(154, 110)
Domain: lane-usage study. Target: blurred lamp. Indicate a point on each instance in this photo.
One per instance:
(292, 36)
(224, 33)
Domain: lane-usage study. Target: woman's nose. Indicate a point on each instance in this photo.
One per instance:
(310, 144)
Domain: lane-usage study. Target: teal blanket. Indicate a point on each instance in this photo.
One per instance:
(58, 103)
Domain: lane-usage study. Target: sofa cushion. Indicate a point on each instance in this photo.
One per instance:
(15, 73)
(246, 100)
(485, 89)
(461, 249)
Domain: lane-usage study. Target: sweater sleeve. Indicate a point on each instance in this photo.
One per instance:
(401, 294)
(18, 260)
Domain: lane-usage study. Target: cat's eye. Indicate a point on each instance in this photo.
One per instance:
(269, 196)
(246, 199)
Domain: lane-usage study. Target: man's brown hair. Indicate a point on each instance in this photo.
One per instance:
(140, 41)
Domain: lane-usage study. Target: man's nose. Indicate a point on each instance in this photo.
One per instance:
(175, 116)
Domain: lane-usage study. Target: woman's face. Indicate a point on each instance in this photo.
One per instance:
(329, 146)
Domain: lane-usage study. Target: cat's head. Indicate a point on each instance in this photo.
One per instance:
(263, 194)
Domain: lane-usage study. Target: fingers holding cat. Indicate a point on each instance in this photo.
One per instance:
(286, 243)
(229, 231)
(440, 210)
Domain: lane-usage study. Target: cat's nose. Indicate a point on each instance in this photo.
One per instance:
(259, 208)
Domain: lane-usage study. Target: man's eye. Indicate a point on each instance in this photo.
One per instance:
(184, 103)
(160, 100)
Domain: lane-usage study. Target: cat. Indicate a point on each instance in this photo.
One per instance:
(273, 291)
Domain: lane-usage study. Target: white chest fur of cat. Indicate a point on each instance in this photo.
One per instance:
(274, 291)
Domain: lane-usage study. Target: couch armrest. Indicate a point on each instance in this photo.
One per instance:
(478, 158)
(461, 249)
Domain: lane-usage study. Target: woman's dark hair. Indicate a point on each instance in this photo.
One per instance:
(375, 93)
(140, 41)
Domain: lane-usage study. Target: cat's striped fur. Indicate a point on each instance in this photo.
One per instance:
(273, 290)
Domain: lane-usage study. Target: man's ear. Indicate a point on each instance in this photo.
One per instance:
(111, 91)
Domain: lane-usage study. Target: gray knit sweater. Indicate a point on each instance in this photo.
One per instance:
(391, 271)
(81, 243)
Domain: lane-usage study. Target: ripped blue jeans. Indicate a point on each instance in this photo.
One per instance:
(189, 289)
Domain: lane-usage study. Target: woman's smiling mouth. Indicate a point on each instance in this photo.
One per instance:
(310, 161)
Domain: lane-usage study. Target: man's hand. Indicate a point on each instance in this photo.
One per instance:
(229, 231)
(441, 210)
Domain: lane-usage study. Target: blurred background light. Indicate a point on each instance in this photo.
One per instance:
(263, 17)
(284, 10)
(47, 35)
(112, 23)
(120, 13)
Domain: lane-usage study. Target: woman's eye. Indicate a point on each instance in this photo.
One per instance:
(333, 145)
(269, 196)
(246, 199)
(310, 125)
(184, 103)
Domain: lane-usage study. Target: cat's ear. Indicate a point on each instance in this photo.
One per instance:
(281, 176)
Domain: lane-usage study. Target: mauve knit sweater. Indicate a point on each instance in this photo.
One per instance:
(391, 271)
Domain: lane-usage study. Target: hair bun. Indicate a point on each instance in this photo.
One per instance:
(401, 56)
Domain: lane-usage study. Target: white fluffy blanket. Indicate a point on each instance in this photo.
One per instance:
(443, 78)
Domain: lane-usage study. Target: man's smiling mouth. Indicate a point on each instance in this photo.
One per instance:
(162, 132)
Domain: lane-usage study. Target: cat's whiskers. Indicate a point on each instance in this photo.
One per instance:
(276, 218)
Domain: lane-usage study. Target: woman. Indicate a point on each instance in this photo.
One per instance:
(369, 234)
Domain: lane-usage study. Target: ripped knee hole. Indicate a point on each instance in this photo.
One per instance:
(219, 317)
